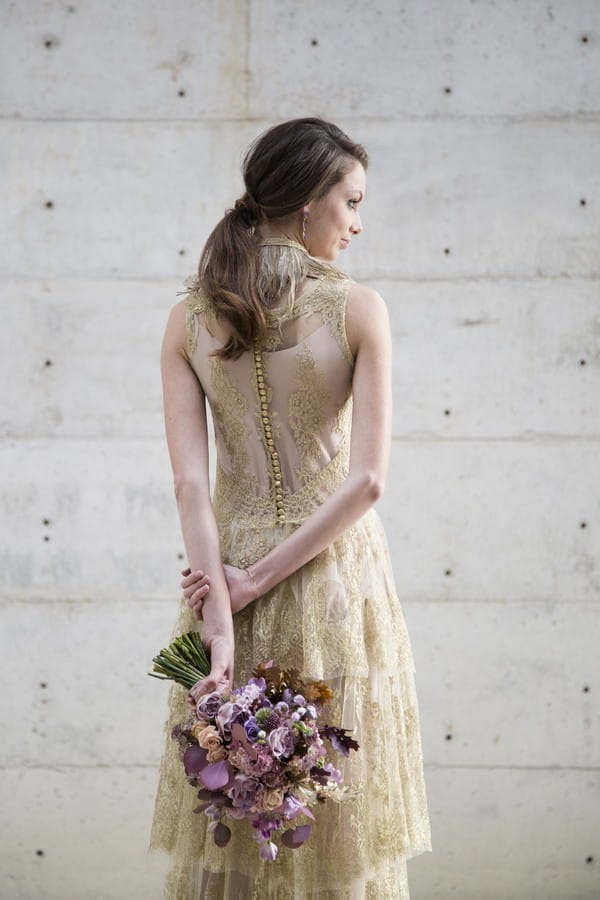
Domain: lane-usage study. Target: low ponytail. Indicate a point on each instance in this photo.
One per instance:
(228, 273)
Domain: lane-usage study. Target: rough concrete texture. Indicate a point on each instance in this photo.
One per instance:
(121, 133)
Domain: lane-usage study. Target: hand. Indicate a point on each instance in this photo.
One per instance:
(220, 677)
(242, 589)
(196, 586)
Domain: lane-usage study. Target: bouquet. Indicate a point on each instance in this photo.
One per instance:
(258, 752)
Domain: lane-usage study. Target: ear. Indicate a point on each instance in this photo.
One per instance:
(306, 209)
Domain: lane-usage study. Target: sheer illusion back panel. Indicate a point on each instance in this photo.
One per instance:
(307, 381)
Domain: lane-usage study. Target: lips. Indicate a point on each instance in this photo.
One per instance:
(345, 243)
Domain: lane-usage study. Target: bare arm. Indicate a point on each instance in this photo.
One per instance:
(368, 331)
(187, 439)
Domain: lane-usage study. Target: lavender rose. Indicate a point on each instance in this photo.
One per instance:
(208, 706)
(227, 715)
(252, 729)
(281, 741)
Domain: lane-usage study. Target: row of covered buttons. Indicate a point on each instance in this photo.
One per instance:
(273, 454)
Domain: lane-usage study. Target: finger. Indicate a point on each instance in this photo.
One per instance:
(197, 608)
(200, 593)
(195, 578)
(216, 682)
(190, 577)
(186, 571)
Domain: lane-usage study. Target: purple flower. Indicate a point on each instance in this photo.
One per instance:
(268, 851)
(299, 700)
(281, 741)
(227, 715)
(243, 791)
(260, 683)
(251, 728)
(208, 706)
(291, 807)
(334, 774)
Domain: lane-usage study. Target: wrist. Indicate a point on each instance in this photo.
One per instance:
(255, 589)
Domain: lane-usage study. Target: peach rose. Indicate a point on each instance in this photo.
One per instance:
(207, 736)
(215, 754)
(272, 799)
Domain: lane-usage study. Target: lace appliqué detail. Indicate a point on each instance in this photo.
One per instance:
(307, 407)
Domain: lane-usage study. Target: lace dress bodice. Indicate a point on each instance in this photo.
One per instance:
(282, 413)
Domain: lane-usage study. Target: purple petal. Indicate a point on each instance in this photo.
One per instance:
(216, 775)
(221, 834)
(194, 760)
(268, 851)
(295, 837)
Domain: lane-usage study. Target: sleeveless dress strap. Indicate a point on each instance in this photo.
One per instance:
(196, 303)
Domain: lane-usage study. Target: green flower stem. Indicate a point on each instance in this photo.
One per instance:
(185, 661)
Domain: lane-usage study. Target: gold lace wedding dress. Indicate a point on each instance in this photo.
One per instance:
(282, 420)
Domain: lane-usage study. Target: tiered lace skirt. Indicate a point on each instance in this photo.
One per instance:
(337, 618)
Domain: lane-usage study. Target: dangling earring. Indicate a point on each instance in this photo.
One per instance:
(304, 221)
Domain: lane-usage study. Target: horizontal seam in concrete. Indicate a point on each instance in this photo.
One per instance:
(172, 600)
(394, 118)
(512, 768)
(534, 438)
(370, 276)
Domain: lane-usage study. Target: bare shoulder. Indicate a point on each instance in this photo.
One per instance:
(366, 316)
(175, 331)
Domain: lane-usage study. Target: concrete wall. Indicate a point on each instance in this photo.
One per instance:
(123, 125)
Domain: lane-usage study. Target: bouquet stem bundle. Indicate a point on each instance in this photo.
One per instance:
(184, 661)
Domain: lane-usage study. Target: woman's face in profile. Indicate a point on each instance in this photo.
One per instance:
(333, 220)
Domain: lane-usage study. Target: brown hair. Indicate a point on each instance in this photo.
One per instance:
(284, 169)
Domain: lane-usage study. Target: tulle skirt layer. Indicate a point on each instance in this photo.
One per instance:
(337, 618)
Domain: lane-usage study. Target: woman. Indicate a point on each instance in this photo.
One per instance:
(294, 360)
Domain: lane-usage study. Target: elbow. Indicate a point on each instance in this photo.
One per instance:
(372, 486)
(186, 484)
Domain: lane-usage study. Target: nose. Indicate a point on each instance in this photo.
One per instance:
(356, 226)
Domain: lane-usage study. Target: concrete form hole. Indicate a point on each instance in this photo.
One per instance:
(446, 412)
(583, 524)
(39, 852)
(589, 859)
(586, 689)
(447, 90)
(447, 571)
(182, 252)
(48, 363)
(447, 251)
(314, 43)
(181, 93)
(582, 362)
(448, 737)
(583, 201)
(584, 39)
